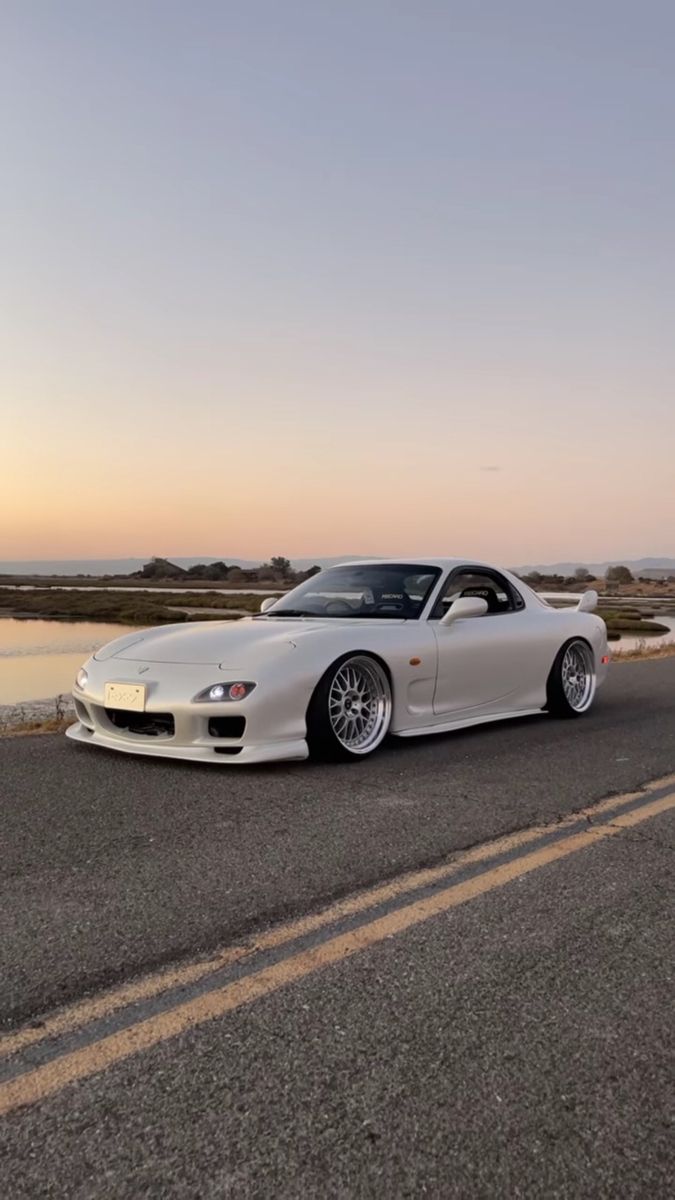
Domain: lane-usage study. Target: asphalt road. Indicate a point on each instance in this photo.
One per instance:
(519, 1045)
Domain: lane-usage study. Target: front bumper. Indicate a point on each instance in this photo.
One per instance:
(272, 717)
(237, 755)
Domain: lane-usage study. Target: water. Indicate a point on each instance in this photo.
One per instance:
(39, 658)
(626, 642)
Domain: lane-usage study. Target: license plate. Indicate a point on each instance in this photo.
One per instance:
(125, 695)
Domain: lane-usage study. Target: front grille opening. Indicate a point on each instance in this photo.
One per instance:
(227, 749)
(145, 723)
(230, 727)
(83, 715)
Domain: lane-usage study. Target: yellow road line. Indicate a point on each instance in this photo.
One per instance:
(87, 1011)
(103, 1005)
(37, 1084)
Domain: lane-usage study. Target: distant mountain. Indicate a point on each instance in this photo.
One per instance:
(125, 566)
(636, 565)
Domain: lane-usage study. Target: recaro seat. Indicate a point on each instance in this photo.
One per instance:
(487, 594)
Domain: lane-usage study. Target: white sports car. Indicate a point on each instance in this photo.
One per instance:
(354, 653)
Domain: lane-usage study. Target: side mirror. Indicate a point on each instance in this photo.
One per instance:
(268, 602)
(465, 606)
(588, 602)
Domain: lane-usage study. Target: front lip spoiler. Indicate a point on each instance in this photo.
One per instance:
(290, 751)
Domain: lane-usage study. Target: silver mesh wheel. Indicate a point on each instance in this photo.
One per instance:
(577, 674)
(359, 704)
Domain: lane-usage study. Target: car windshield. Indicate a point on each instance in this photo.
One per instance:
(396, 590)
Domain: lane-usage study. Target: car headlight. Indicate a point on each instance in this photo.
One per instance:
(81, 678)
(218, 693)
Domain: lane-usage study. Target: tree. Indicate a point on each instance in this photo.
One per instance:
(619, 574)
(281, 564)
(583, 575)
(534, 578)
(214, 570)
(160, 568)
(217, 570)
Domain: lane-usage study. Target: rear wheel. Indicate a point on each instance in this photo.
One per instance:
(571, 684)
(350, 712)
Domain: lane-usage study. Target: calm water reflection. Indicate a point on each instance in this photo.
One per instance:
(39, 659)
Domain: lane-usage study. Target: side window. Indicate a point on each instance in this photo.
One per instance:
(499, 595)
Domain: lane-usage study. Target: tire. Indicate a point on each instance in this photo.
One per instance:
(570, 689)
(350, 711)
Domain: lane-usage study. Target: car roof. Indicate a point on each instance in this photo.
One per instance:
(420, 560)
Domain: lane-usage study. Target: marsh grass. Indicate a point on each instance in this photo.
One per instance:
(630, 621)
(119, 607)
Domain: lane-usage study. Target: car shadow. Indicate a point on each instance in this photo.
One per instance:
(394, 748)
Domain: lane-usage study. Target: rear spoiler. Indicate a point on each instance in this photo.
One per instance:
(585, 601)
(588, 601)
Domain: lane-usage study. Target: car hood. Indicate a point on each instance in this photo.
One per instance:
(230, 644)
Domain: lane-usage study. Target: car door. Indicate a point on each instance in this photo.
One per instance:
(482, 661)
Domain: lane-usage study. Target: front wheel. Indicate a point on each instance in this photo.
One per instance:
(350, 712)
(571, 684)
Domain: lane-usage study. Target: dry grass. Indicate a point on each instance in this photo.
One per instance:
(44, 717)
(49, 725)
(644, 651)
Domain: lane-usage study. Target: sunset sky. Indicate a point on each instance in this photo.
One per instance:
(337, 277)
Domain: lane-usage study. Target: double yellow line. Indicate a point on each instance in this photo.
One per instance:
(67, 1066)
